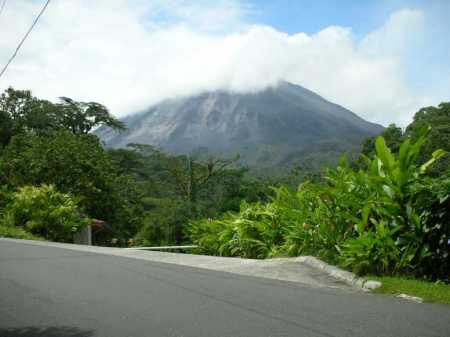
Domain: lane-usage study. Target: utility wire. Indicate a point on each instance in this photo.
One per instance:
(2, 6)
(24, 38)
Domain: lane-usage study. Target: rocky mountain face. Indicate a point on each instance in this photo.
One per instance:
(278, 126)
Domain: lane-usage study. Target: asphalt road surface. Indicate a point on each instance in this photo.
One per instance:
(55, 292)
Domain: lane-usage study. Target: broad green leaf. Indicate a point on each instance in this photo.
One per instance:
(383, 152)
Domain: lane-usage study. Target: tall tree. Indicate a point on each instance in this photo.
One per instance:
(438, 120)
(25, 113)
(81, 117)
(75, 164)
(191, 176)
(6, 126)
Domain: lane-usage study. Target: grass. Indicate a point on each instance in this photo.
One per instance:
(16, 233)
(431, 292)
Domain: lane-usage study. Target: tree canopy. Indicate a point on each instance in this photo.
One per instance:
(437, 120)
(21, 112)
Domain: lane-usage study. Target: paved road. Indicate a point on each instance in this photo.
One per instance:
(55, 292)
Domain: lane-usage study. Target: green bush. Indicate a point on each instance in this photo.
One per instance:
(16, 233)
(206, 233)
(374, 251)
(44, 212)
(254, 232)
(385, 218)
(432, 197)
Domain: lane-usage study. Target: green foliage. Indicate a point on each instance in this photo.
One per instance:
(162, 223)
(81, 117)
(392, 135)
(375, 219)
(43, 212)
(206, 233)
(432, 200)
(373, 251)
(437, 119)
(177, 189)
(386, 214)
(16, 233)
(6, 128)
(142, 192)
(253, 233)
(75, 164)
(431, 292)
(21, 112)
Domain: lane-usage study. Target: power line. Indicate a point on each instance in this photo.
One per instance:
(24, 38)
(2, 6)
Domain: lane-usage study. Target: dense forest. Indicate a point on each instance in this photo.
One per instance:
(385, 212)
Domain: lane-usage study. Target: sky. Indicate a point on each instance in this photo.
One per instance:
(382, 59)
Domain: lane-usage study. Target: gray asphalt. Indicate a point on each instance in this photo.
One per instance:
(55, 292)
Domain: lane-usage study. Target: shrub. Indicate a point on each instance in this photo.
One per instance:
(254, 232)
(16, 233)
(44, 212)
(373, 251)
(384, 218)
(432, 200)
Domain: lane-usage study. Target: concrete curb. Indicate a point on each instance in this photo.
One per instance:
(410, 298)
(342, 275)
(250, 267)
(281, 269)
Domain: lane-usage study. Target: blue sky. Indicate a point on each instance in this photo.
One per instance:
(425, 62)
(383, 59)
(362, 16)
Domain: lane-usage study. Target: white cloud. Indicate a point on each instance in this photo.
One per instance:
(109, 51)
(204, 15)
(396, 37)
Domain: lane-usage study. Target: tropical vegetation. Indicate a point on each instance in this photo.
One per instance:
(43, 212)
(385, 212)
(48, 150)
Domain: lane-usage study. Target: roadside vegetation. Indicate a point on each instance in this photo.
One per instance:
(42, 212)
(16, 233)
(386, 212)
(430, 292)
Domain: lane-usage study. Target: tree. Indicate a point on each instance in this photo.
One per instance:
(163, 223)
(75, 164)
(438, 120)
(16, 103)
(81, 117)
(176, 189)
(6, 126)
(24, 113)
(21, 112)
(191, 176)
(392, 135)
